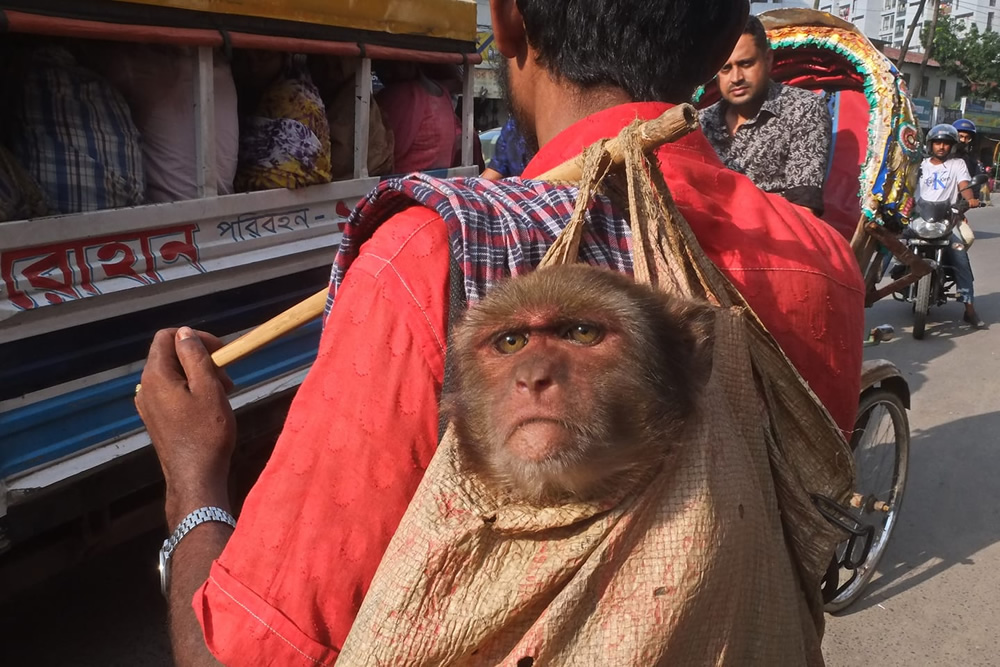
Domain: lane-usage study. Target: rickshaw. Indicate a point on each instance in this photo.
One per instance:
(868, 195)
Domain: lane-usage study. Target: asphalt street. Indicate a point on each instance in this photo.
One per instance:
(934, 601)
(936, 598)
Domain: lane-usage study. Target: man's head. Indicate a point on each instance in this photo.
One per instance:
(650, 50)
(941, 148)
(941, 139)
(744, 79)
(966, 132)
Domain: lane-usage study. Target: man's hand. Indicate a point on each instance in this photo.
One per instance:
(183, 403)
(973, 203)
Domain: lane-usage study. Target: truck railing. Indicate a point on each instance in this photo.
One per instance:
(68, 281)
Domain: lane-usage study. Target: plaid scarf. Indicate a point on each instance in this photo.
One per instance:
(495, 229)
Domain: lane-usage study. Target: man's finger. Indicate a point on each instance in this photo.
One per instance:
(196, 360)
(211, 343)
(162, 360)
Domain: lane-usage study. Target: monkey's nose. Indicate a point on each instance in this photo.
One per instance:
(535, 385)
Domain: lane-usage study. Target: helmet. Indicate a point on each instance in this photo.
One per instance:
(943, 132)
(965, 125)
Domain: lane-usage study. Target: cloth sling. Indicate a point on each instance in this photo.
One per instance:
(717, 560)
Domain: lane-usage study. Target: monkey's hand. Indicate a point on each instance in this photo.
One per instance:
(183, 403)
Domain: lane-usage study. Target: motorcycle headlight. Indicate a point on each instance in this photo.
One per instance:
(928, 229)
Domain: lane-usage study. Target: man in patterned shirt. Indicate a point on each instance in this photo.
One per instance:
(777, 135)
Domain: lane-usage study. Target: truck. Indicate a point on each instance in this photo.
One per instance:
(81, 295)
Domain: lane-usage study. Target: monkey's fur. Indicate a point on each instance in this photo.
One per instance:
(546, 415)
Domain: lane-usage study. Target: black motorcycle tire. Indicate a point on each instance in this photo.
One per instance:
(922, 306)
(889, 435)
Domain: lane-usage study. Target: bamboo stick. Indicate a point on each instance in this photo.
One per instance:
(666, 128)
(302, 312)
(670, 126)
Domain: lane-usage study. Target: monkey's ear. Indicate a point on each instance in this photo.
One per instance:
(691, 337)
(703, 334)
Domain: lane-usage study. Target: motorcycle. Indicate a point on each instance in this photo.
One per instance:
(928, 235)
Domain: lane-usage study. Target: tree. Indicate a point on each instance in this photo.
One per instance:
(970, 55)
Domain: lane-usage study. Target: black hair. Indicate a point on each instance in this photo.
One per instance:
(655, 50)
(755, 29)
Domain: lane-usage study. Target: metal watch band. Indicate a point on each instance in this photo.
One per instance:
(195, 518)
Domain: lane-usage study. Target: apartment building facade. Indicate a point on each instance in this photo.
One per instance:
(888, 20)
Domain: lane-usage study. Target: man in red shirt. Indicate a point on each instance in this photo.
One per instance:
(284, 587)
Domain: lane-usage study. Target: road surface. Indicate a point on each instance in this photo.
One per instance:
(936, 600)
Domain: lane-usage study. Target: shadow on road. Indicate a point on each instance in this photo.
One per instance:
(981, 235)
(953, 489)
(944, 328)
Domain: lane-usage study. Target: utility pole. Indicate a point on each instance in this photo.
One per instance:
(928, 47)
(909, 34)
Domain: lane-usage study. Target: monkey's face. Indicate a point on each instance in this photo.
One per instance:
(565, 389)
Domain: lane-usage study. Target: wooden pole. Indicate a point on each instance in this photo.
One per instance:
(909, 34)
(928, 49)
(253, 340)
(671, 126)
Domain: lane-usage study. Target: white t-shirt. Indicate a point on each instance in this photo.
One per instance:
(939, 182)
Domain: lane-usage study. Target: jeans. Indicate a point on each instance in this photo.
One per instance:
(958, 260)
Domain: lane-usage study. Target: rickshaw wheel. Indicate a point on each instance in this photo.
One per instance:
(881, 446)
(921, 306)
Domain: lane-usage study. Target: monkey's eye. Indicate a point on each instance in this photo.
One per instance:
(584, 334)
(511, 342)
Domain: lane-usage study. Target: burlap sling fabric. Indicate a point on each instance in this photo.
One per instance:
(716, 560)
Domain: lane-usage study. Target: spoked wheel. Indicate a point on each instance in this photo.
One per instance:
(921, 306)
(881, 445)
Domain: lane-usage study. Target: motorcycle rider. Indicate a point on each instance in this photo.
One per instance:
(966, 137)
(945, 178)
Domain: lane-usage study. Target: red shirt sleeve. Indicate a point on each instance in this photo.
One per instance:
(357, 440)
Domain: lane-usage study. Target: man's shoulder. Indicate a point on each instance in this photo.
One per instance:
(713, 125)
(799, 98)
(711, 114)
(404, 237)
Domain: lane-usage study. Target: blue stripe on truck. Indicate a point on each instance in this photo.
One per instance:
(67, 424)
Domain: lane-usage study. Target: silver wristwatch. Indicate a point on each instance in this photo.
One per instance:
(195, 518)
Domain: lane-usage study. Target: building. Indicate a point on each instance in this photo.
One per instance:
(887, 21)
(760, 6)
(935, 83)
(982, 13)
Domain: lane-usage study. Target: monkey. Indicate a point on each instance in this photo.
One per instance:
(571, 382)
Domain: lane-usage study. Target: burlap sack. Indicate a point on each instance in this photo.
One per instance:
(715, 561)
